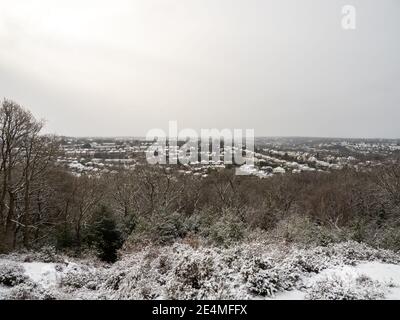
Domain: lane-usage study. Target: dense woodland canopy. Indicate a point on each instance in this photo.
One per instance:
(43, 204)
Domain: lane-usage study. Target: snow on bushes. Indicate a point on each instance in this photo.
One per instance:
(352, 252)
(270, 281)
(241, 272)
(177, 272)
(76, 276)
(180, 271)
(11, 274)
(45, 254)
(30, 291)
(335, 287)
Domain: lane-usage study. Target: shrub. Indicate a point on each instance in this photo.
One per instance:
(12, 274)
(267, 277)
(64, 237)
(310, 262)
(349, 288)
(351, 252)
(301, 229)
(76, 276)
(169, 228)
(30, 291)
(113, 282)
(194, 276)
(193, 273)
(389, 237)
(47, 254)
(161, 228)
(226, 230)
(104, 235)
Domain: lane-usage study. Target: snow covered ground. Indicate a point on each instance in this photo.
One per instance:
(386, 274)
(249, 271)
(42, 272)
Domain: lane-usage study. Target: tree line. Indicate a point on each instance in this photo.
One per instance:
(42, 203)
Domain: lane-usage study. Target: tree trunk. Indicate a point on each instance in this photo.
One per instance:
(25, 217)
(10, 225)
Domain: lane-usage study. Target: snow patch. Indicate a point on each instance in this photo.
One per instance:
(41, 272)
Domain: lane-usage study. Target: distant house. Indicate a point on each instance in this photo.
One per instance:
(279, 170)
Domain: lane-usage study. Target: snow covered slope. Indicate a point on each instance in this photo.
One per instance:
(249, 271)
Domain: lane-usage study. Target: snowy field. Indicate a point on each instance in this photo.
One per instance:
(249, 271)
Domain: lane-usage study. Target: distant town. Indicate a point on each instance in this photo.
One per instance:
(272, 155)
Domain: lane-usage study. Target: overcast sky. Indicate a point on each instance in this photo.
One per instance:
(281, 67)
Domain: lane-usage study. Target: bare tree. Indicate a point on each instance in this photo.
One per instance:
(24, 157)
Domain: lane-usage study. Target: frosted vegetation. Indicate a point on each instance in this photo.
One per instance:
(254, 270)
(151, 232)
